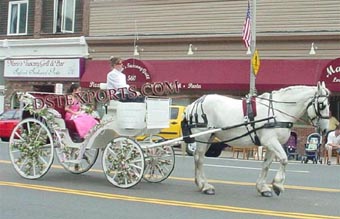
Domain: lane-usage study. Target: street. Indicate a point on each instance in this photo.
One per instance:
(312, 191)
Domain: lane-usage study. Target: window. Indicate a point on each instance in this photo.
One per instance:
(64, 16)
(174, 113)
(17, 18)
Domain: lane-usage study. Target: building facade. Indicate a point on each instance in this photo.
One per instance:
(199, 43)
(42, 44)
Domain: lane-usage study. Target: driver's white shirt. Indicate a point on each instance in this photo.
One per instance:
(116, 79)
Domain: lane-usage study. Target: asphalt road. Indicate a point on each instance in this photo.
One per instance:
(312, 191)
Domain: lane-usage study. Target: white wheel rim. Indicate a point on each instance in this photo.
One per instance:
(123, 162)
(30, 152)
(160, 163)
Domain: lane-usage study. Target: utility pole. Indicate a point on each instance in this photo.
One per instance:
(252, 90)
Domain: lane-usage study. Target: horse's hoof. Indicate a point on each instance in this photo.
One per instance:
(267, 194)
(209, 192)
(276, 190)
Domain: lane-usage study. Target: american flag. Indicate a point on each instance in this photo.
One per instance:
(246, 32)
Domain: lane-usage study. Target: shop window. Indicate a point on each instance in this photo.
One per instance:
(17, 18)
(64, 16)
(44, 88)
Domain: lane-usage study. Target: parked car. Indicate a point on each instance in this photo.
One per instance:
(8, 120)
(175, 130)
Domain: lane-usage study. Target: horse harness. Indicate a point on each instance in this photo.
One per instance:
(249, 111)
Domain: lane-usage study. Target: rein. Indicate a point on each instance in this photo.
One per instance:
(316, 110)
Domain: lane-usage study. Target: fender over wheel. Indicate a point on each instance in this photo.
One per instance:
(31, 148)
(123, 162)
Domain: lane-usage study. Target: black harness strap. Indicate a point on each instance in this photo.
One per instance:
(276, 124)
(250, 117)
(195, 115)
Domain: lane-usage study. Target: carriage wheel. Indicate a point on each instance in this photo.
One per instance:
(65, 153)
(123, 162)
(31, 148)
(160, 163)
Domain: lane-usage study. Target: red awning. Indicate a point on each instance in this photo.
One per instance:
(331, 75)
(275, 74)
(95, 73)
(137, 72)
(220, 74)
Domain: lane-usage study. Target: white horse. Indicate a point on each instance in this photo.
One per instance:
(276, 113)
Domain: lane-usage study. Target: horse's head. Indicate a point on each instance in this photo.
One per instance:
(318, 108)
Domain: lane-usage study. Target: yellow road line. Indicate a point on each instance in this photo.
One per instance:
(168, 202)
(308, 188)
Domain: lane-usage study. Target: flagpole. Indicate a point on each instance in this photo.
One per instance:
(252, 89)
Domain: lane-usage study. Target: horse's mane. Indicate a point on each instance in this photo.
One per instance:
(285, 90)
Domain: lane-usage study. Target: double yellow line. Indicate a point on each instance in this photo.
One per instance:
(167, 202)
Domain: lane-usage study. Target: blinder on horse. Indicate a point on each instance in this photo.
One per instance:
(318, 106)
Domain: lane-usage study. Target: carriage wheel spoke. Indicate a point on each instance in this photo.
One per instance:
(17, 134)
(43, 159)
(34, 169)
(161, 170)
(112, 152)
(29, 128)
(135, 166)
(23, 163)
(38, 134)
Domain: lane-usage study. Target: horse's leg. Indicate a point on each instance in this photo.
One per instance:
(200, 178)
(281, 173)
(261, 185)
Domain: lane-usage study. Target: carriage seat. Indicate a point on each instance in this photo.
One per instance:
(68, 123)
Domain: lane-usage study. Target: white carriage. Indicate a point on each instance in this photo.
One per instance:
(43, 134)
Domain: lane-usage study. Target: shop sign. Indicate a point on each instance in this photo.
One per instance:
(331, 73)
(42, 68)
(136, 71)
(94, 84)
(190, 85)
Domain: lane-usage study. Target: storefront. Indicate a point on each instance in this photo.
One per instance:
(41, 64)
(41, 75)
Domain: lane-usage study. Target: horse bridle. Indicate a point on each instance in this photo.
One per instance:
(318, 106)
